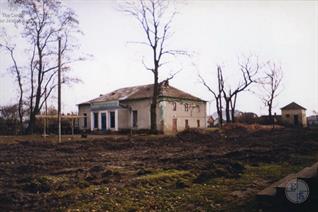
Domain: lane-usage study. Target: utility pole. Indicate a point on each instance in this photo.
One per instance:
(59, 90)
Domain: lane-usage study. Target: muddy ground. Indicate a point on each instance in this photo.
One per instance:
(195, 170)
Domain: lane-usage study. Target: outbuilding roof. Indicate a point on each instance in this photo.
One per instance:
(293, 106)
(141, 92)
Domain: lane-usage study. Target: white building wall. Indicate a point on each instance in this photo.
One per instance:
(288, 117)
(165, 115)
(196, 112)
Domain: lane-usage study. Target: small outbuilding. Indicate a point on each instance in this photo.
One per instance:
(294, 115)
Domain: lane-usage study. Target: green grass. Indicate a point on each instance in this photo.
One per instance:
(157, 190)
(163, 174)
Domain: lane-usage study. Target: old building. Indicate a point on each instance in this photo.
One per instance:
(129, 107)
(294, 115)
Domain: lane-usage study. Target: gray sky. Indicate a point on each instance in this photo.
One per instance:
(216, 31)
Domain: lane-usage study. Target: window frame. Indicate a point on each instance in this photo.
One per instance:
(96, 120)
(186, 107)
(85, 120)
(112, 122)
(135, 118)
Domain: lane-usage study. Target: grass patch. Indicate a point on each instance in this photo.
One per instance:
(172, 173)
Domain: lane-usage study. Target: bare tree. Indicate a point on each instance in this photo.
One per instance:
(43, 22)
(155, 18)
(249, 69)
(17, 72)
(271, 85)
(216, 94)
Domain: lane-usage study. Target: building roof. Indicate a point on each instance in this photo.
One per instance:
(141, 92)
(293, 106)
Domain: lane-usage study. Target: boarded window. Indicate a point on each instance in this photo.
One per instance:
(85, 120)
(186, 123)
(186, 107)
(198, 123)
(174, 106)
(112, 119)
(95, 120)
(135, 118)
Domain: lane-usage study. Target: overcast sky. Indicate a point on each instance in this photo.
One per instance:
(217, 32)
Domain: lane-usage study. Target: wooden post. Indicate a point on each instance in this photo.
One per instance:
(59, 89)
(45, 120)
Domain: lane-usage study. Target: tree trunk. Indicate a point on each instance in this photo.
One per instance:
(31, 123)
(227, 110)
(21, 110)
(34, 111)
(233, 115)
(270, 116)
(153, 107)
(220, 111)
(233, 105)
(269, 111)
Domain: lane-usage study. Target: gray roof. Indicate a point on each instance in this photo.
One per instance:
(141, 92)
(293, 106)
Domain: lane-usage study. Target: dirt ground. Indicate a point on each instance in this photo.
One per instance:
(198, 170)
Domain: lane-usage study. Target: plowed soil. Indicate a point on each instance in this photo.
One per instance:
(145, 173)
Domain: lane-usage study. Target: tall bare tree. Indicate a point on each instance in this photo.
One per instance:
(17, 72)
(271, 85)
(216, 94)
(155, 18)
(249, 69)
(43, 21)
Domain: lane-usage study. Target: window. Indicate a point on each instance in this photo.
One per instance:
(287, 115)
(134, 118)
(198, 123)
(85, 120)
(174, 106)
(186, 107)
(95, 120)
(103, 120)
(112, 119)
(186, 123)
